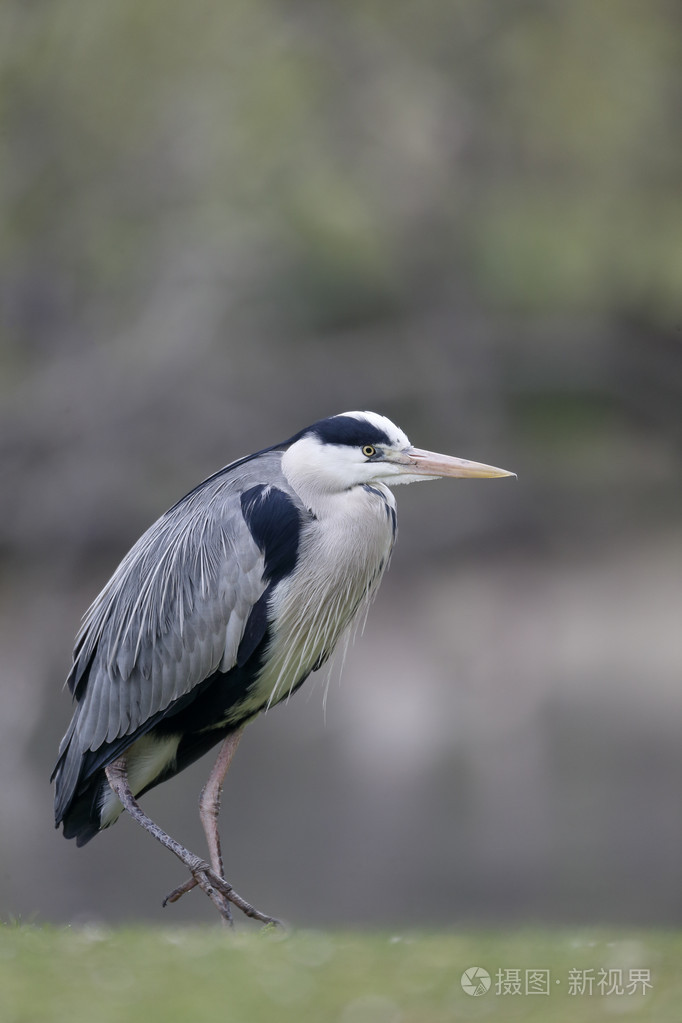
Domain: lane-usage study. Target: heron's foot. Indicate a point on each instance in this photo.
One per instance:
(190, 883)
(221, 893)
(202, 877)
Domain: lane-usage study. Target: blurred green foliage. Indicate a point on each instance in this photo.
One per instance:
(359, 159)
(448, 210)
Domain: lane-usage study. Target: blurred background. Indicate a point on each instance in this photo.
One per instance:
(222, 221)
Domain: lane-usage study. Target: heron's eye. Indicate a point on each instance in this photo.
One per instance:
(368, 451)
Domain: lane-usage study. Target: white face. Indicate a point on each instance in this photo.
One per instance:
(376, 468)
(337, 467)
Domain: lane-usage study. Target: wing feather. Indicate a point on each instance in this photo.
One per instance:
(173, 612)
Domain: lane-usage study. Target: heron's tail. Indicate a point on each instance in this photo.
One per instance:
(77, 800)
(81, 819)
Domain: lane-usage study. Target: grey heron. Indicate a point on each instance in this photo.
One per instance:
(223, 608)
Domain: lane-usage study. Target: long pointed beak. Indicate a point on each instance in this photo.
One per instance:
(428, 463)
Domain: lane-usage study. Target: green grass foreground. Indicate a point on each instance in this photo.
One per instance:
(126, 975)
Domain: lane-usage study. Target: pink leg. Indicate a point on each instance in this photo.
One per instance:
(209, 802)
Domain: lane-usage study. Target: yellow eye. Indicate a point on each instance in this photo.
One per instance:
(368, 451)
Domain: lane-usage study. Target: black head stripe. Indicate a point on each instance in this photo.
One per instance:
(348, 430)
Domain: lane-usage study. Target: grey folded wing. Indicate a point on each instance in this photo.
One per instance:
(173, 613)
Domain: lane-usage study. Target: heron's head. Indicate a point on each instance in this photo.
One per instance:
(357, 448)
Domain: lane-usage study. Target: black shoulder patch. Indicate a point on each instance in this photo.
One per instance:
(348, 430)
(275, 525)
(256, 629)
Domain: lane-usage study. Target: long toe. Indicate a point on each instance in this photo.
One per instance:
(212, 886)
(181, 890)
(226, 889)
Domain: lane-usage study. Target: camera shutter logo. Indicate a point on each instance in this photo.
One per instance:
(475, 981)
